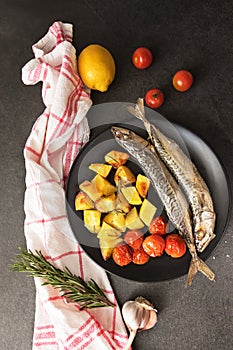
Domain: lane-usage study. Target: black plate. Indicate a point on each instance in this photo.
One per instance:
(157, 269)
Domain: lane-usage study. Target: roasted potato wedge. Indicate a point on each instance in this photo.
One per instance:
(106, 247)
(121, 203)
(131, 194)
(106, 204)
(116, 219)
(91, 219)
(142, 185)
(91, 190)
(124, 175)
(109, 238)
(83, 201)
(116, 158)
(102, 169)
(103, 185)
(132, 220)
(108, 232)
(147, 212)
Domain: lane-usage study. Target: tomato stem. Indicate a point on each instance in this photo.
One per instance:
(156, 95)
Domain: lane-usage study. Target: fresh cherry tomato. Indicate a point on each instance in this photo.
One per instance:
(175, 245)
(140, 257)
(182, 80)
(122, 255)
(142, 58)
(158, 226)
(154, 245)
(134, 238)
(154, 98)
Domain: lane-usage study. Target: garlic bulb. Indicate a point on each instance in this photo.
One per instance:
(138, 314)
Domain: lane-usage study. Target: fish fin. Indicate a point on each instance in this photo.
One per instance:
(191, 273)
(197, 264)
(203, 243)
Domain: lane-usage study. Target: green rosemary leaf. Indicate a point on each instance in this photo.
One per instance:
(74, 288)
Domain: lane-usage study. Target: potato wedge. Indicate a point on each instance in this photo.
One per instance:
(121, 203)
(109, 238)
(91, 190)
(147, 212)
(91, 218)
(108, 232)
(116, 219)
(132, 221)
(102, 169)
(116, 158)
(106, 204)
(131, 194)
(82, 201)
(142, 185)
(106, 247)
(124, 175)
(103, 185)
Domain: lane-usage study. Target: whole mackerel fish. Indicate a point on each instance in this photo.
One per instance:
(168, 190)
(187, 175)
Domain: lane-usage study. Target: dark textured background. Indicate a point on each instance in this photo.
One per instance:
(195, 35)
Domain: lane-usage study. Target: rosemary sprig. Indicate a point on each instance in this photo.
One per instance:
(87, 294)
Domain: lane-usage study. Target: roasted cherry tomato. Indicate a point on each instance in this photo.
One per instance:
(140, 257)
(158, 226)
(122, 255)
(134, 239)
(142, 58)
(154, 98)
(175, 246)
(182, 80)
(154, 245)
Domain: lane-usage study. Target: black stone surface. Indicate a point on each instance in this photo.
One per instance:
(197, 36)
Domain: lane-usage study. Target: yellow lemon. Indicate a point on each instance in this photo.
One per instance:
(96, 67)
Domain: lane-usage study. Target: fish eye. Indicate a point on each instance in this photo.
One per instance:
(127, 134)
(200, 234)
(117, 133)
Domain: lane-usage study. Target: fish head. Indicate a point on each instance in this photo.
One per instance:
(128, 139)
(122, 133)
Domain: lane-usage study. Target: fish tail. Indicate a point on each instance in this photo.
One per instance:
(196, 265)
(139, 112)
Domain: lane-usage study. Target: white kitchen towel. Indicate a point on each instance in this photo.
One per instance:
(56, 138)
